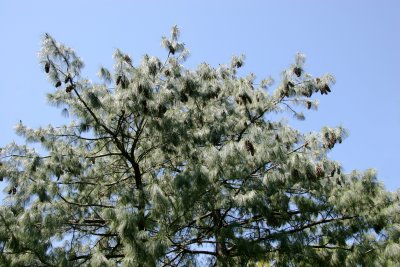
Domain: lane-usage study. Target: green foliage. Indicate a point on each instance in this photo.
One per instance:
(165, 166)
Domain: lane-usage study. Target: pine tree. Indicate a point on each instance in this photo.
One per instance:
(165, 166)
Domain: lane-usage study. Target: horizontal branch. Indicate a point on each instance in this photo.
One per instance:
(318, 223)
(88, 256)
(84, 205)
(330, 247)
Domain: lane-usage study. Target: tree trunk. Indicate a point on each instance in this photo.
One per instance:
(220, 248)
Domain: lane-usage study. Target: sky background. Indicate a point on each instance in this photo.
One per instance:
(357, 41)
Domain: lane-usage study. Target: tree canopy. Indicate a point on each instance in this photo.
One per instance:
(165, 166)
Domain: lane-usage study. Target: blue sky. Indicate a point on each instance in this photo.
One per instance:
(357, 41)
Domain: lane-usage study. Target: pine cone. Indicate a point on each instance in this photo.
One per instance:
(325, 89)
(171, 49)
(70, 88)
(47, 67)
(118, 80)
(128, 59)
(67, 79)
(297, 71)
(184, 97)
(245, 98)
(58, 84)
(144, 105)
(161, 110)
(307, 93)
(319, 171)
(124, 82)
(12, 191)
(288, 86)
(238, 64)
(249, 147)
(332, 141)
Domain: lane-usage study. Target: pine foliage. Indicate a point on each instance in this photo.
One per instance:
(165, 166)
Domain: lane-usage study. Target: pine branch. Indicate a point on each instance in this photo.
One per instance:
(310, 225)
(88, 256)
(97, 120)
(329, 247)
(84, 205)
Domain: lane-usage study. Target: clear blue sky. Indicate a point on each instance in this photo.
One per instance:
(357, 41)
